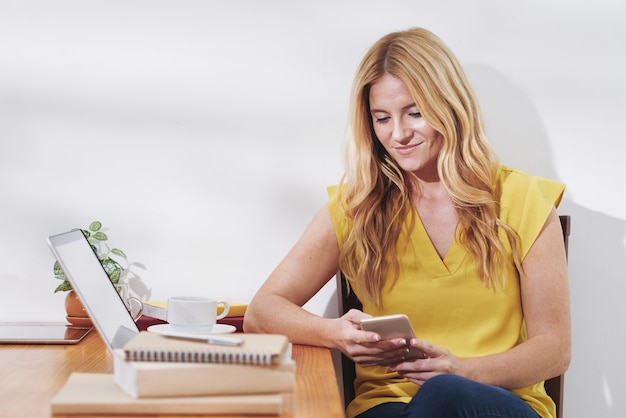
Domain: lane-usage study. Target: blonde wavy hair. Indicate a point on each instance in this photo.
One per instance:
(377, 194)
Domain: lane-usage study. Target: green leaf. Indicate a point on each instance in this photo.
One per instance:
(109, 265)
(118, 252)
(113, 269)
(100, 236)
(115, 276)
(58, 272)
(63, 287)
(95, 226)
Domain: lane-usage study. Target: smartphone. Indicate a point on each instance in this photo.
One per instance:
(390, 327)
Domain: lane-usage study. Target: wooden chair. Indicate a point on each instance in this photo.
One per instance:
(348, 300)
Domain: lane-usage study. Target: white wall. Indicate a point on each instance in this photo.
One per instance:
(203, 134)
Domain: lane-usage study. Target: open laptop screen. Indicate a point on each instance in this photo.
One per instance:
(95, 290)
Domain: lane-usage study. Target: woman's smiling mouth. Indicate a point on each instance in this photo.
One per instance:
(406, 149)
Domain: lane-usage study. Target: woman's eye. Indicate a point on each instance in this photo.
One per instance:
(382, 119)
(415, 114)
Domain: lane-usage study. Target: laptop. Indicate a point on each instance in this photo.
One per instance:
(89, 279)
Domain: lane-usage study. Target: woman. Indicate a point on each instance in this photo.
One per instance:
(426, 223)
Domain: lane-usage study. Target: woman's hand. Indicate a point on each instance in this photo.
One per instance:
(437, 360)
(366, 347)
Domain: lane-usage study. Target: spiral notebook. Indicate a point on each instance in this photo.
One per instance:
(258, 349)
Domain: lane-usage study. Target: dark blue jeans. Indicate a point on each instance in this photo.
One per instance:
(452, 396)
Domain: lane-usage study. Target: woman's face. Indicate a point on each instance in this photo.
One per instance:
(401, 129)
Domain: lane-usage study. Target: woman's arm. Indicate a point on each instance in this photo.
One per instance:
(545, 303)
(310, 264)
(277, 306)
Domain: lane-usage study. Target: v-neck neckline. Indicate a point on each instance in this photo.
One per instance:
(430, 259)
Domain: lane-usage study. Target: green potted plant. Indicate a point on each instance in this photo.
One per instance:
(76, 313)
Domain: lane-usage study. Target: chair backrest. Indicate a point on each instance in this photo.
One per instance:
(348, 300)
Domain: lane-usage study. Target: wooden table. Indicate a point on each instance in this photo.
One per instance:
(31, 374)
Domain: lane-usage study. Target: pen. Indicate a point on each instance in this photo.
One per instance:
(210, 339)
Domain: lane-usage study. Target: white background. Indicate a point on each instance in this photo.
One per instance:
(203, 135)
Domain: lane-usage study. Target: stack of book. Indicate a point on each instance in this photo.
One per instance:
(155, 374)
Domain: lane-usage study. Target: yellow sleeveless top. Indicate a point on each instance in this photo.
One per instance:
(446, 301)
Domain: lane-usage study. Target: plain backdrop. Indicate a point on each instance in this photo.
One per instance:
(203, 135)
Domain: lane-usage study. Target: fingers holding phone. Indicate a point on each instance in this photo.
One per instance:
(391, 327)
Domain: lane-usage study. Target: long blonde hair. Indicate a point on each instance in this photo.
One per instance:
(377, 193)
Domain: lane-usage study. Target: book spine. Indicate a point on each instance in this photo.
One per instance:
(97, 394)
(230, 357)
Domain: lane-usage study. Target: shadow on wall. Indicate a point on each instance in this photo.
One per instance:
(596, 252)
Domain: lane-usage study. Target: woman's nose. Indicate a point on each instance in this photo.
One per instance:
(400, 131)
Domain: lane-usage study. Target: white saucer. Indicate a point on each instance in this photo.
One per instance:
(217, 329)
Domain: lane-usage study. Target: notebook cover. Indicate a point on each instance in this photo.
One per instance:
(256, 349)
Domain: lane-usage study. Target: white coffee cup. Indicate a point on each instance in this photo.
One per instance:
(194, 314)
